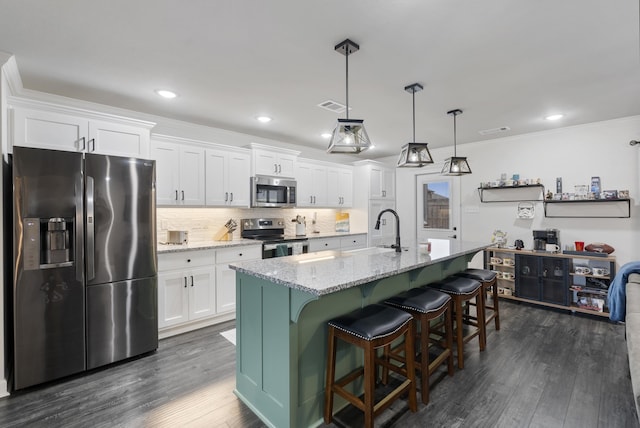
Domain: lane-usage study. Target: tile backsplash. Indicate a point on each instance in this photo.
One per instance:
(204, 223)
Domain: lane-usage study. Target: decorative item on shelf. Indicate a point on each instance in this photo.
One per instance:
(526, 210)
(414, 154)
(623, 194)
(455, 165)
(609, 194)
(349, 135)
(549, 195)
(599, 247)
(519, 244)
(581, 191)
(499, 238)
(226, 232)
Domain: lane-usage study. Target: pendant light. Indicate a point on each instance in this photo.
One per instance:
(349, 135)
(455, 165)
(414, 154)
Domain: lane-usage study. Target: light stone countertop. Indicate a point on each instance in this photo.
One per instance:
(326, 272)
(208, 245)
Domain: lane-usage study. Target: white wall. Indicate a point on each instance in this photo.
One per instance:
(574, 153)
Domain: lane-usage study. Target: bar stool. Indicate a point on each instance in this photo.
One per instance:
(426, 305)
(463, 290)
(372, 327)
(489, 280)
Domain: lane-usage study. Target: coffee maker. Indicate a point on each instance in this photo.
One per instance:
(543, 237)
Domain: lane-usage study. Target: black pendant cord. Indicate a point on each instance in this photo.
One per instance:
(347, 78)
(455, 137)
(414, 116)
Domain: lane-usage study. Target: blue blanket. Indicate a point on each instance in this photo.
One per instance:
(617, 295)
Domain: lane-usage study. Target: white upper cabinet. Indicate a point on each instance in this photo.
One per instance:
(382, 182)
(273, 161)
(180, 177)
(46, 126)
(311, 183)
(340, 187)
(227, 177)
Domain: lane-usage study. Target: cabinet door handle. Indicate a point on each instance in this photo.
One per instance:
(384, 193)
(185, 282)
(240, 255)
(314, 199)
(176, 195)
(84, 145)
(231, 198)
(192, 280)
(92, 143)
(226, 196)
(183, 195)
(279, 168)
(310, 199)
(275, 168)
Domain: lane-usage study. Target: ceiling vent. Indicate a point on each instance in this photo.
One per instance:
(494, 130)
(332, 106)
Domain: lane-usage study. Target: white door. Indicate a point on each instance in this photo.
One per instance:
(173, 303)
(225, 289)
(216, 172)
(191, 176)
(202, 292)
(437, 207)
(239, 170)
(117, 139)
(167, 157)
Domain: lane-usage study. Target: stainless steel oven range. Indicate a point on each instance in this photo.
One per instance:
(271, 232)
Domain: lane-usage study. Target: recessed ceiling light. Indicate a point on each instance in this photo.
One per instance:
(263, 119)
(326, 135)
(554, 117)
(166, 94)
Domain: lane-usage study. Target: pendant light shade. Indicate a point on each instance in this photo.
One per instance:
(455, 165)
(414, 154)
(349, 135)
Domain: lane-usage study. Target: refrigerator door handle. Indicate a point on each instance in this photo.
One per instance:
(78, 229)
(90, 255)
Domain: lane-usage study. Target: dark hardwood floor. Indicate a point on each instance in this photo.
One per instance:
(542, 369)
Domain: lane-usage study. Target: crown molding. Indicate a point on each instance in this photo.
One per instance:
(11, 73)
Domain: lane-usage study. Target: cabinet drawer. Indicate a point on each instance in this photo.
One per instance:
(186, 259)
(237, 254)
(324, 244)
(349, 242)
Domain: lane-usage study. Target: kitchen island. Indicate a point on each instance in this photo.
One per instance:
(283, 305)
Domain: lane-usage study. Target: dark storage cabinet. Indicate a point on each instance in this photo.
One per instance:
(542, 278)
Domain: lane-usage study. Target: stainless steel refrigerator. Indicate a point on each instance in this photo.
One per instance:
(84, 262)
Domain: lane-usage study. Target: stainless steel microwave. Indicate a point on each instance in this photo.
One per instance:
(272, 192)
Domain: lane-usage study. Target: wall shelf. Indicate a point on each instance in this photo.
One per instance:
(588, 208)
(531, 192)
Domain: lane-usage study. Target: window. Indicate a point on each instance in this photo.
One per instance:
(437, 205)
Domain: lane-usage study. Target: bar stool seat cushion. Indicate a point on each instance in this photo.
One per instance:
(372, 322)
(420, 300)
(456, 285)
(482, 275)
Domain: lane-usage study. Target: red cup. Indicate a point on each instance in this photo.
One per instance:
(579, 246)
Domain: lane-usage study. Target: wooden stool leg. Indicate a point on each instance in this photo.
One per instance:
(459, 331)
(449, 337)
(369, 384)
(496, 310)
(424, 361)
(331, 367)
(480, 300)
(411, 369)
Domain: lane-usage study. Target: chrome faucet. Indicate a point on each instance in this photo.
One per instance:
(397, 245)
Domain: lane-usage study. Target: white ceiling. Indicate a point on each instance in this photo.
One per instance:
(503, 62)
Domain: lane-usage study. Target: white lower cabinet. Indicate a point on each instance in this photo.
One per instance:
(186, 287)
(350, 242)
(226, 277)
(197, 288)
